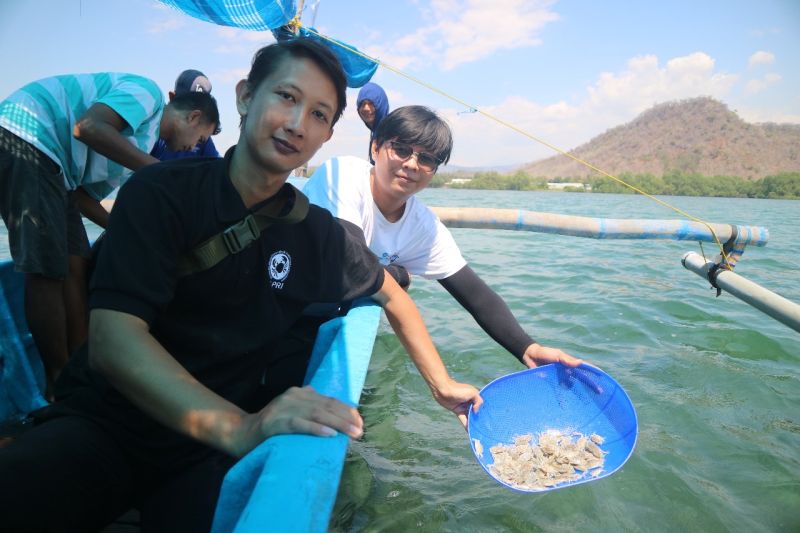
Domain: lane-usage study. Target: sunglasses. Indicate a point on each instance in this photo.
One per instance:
(403, 152)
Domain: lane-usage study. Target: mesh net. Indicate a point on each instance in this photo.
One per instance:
(555, 397)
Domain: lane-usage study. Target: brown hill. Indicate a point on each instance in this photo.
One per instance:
(695, 136)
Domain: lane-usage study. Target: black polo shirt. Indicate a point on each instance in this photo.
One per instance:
(221, 323)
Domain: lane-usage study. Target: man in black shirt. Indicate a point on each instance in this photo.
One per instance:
(165, 401)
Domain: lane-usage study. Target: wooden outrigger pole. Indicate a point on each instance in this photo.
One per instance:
(597, 228)
(734, 238)
(774, 305)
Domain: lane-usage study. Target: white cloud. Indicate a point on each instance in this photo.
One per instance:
(645, 83)
(480, 139)
(396, 98)
(171, 22)
(761, 58)
(237, 41)
(478, 30)
(759, 85)
(765, 32)
(613, 99)
(232, 76)
(764, 115)
(387, 57)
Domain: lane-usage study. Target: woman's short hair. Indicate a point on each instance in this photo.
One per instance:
(417, 125)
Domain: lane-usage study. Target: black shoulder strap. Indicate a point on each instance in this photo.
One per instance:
(289, 206)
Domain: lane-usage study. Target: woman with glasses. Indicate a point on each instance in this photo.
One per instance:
(408, 147)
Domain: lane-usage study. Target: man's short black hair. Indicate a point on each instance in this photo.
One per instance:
(269, 59)
(417, 125)
(203, 102)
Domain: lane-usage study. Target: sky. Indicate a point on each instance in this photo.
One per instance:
(560, 71)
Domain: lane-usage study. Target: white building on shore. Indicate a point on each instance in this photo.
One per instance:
(561, 186)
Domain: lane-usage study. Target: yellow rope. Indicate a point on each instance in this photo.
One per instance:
(522, 132)
(295, 24)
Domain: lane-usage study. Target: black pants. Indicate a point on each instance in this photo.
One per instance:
(69, 474)
(288, 363)
(73, 474)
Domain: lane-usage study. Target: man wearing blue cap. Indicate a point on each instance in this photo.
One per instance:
(189, 81)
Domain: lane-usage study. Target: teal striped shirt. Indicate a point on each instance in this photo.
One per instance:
(44, 114)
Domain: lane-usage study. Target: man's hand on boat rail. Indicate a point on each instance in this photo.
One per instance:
(300, 410)
(538, 355)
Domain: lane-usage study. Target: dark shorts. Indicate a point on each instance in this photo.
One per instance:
(43, 222)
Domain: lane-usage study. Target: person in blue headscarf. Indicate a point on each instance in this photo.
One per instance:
(373, 106)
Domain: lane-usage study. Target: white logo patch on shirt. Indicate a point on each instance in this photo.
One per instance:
(279, 265)
(386, 259)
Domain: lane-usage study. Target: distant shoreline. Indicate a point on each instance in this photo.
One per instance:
(785, 186)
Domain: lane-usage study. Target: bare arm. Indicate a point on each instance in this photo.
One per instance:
(122, 348)
(91, 208)
(407, 323)
(99, 128)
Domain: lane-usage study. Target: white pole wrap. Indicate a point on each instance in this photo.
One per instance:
(596, 228)
(774, 305)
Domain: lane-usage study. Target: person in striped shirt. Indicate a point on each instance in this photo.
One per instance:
(66, 142)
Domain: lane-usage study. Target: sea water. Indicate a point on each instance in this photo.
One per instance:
(715, 382)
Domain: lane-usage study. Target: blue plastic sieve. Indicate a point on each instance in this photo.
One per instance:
(555, 397)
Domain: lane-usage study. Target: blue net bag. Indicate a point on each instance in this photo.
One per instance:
(555, 398)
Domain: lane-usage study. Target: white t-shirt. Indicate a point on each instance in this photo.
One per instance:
(419, 242)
